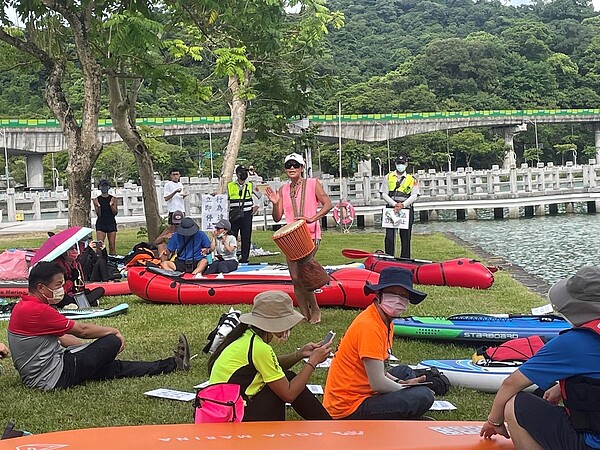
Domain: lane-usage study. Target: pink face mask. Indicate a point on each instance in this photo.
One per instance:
(72, 254)
(393, 305)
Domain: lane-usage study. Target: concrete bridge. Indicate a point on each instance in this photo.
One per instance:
(35, 137)
(461, 194)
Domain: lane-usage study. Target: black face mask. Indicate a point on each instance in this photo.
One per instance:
(242, 176)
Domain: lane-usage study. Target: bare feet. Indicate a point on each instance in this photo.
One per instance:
(315, 316)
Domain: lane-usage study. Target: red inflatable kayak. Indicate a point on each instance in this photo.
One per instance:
(16, 288)
(156, 285)
(459, 272)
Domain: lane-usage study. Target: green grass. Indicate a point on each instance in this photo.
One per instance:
(151, 332)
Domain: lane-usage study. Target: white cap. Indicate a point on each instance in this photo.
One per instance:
(294, 157)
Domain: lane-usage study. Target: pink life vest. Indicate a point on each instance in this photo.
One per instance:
(311, 204)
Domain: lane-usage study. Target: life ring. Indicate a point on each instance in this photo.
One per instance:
(345, 217)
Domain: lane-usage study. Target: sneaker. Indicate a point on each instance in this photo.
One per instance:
(182, 354)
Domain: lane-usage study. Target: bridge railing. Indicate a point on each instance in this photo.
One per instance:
(464, 184)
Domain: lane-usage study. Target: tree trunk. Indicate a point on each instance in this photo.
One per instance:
(238, 121)
(122, 112)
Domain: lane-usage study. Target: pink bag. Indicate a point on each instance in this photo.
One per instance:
(219, 403)
(13, 265)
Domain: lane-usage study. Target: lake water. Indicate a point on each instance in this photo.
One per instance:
(552, 247)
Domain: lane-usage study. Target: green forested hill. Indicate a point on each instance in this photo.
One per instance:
(411, 55)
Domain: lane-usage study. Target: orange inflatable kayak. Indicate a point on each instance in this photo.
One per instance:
(302, 435)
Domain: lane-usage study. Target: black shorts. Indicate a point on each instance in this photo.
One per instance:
(185, 266)
(106, 227)
(548, 424)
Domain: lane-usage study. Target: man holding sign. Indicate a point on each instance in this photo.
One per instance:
(400, 190)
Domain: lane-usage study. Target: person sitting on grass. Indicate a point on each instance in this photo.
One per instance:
(189, 244)
(224, 248)
(246, 358)
(47, 353)
(359, 387)
(163, 238)
(573, 360)
(71, 266)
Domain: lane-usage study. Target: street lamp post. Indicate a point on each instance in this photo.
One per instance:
(387, 140)
(6, 173)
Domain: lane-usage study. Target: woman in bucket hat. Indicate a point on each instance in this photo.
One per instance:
(224, 248)
(573, 360)
(358, 386)
(246, 358)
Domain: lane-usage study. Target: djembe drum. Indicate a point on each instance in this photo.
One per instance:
(295, 242)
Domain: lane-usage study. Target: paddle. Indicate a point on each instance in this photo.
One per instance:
(359, 254)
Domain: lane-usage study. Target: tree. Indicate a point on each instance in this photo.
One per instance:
(56, 33)
(256, 37)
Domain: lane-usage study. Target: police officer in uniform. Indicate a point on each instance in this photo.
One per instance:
(399, 190)
(242, 207)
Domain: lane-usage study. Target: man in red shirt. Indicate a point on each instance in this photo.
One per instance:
(47, 353)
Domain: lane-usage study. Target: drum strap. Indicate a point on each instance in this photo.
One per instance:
(298, 212)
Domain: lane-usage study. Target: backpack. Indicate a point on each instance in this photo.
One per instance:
(440, 384)
(227, 322)
(515, 350)
(141, 254)
(219, 403)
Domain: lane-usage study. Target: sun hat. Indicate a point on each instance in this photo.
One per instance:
(294, 157)
(578, 297)
(272, 311)
(177, 217)
(187, 227)
(223, 223)
(397, 276)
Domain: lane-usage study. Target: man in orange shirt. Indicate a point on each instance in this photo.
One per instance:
(358, 384)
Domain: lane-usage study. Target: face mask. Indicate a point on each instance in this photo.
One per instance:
(243, 176)
(72, 254)
(57, 295)
(400, 168)
(393, 305)
(104, 189)
(280, 338)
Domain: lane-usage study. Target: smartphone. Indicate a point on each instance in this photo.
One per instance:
(98, 243)
(328, 338)
(423, 383)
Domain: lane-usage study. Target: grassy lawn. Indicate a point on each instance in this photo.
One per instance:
(151, 333)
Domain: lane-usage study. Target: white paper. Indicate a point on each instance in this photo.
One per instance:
(395, 219)
(442, 405)
(171, 394)
(201, 385)
(316, 389)
(393, 358)
(541, 310)
(214, 208)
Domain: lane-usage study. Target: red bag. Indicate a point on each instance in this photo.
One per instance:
(520, 349)
(219, 403)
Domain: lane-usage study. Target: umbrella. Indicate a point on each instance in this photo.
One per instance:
(59, 243)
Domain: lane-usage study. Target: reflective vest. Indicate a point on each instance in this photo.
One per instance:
(240, 195)
(404, 188)
(581, 394)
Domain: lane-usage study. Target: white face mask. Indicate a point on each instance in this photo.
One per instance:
(280, 338)
(57, 295)
(400, 168)
(393, 305)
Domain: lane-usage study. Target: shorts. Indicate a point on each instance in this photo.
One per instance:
(548, 424)
(185, 266)
(106, 227)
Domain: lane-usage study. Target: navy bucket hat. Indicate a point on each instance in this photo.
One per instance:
(397, 276)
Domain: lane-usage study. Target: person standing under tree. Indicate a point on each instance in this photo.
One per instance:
(106, 209)
(300, 199)
(174, 194)
(400, 190)
(241, 209)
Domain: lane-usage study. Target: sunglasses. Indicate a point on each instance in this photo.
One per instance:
(290, 164)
